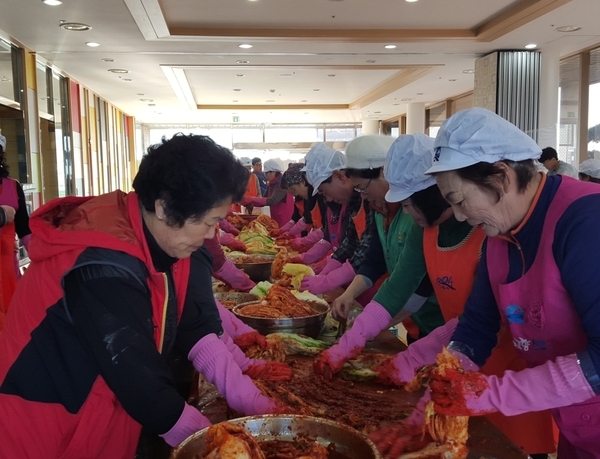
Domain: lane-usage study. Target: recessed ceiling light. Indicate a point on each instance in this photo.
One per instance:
(118, 70)
(411, 1)
(234, 101)
(4, 79)
(242, 61)
(406, 99)
(52, 2)
(140, 93)
(107, 59)
(371, 61)
(92, 44)
(270, 100)
(390, 46)
(286, 75)
(419, 94)
(151, 105)
(469, 71)
(146, 100)
(331, 75)
(531, 46)
(306, 113)
(315, 90)
(395, 104)
(239, 75)
(237, 90)
(127, 79)
(75, 26)
(568, 28)
(452, 79)
(245, 46)
(305, 100)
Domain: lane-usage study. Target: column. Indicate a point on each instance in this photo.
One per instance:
(415, 118)
(370, 127)
(549, 84)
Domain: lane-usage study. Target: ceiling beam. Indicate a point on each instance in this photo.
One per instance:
(514, 17)
(275, 107)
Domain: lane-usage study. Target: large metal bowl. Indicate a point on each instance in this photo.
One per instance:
(258, 271)
(348, 442)
(309, 326)
(236, 297)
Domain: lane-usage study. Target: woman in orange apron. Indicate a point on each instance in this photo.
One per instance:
(11, 195)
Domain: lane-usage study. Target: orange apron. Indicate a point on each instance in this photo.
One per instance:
(531, 431)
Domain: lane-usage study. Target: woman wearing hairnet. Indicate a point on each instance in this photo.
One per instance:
(450, 250)
(279, 201)
(538, 275)
(589, 171)
(126, 282)
(320, 215)
(407, 292)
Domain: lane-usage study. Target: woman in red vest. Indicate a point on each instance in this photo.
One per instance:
(118, 283)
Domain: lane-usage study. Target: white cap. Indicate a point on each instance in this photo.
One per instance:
(590, 167)
(271, 166)
(3, 143)
(407, 161)
(476, 136)
(368, 151)
(246, 162)
(320, 162)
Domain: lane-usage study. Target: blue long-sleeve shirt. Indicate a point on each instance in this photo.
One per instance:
(576, 250)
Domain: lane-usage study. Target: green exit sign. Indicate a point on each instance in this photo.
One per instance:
(236, 119)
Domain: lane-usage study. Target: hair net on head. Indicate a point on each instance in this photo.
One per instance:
(246, 162)
(321, 161)
(476, 136)
(3, 142)
(407, 161)
(368, 151)
(590, 167)
(293, 174)
(272, 166)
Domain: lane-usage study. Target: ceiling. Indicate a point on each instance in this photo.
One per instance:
(311, 60)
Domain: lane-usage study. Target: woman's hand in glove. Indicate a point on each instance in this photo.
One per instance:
(245, 340)
(270, 371)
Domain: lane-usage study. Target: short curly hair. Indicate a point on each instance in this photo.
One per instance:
(191, 174)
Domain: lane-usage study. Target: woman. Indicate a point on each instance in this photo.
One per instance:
(407, 292)
(589, 171)
(326, 236)
(119, 296)
(12, 201)
(451, 251)
(538, 275)
(279, 201)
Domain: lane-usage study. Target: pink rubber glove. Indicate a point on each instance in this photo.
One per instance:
(319, 265)
(278, 232)
(211, 357)
(304, 243)
(400, 369)
(228, 227)
(332, 264)
(367, 325)
(25, 241)
(551, 385)
(256, 368)
(190, 422)
(298, 227)
(235, 277)
(254, 201)
(316, 252)
(328, 282)
(229, 240)
(243, 335)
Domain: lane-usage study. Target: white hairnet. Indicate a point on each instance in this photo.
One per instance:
(3, 142)
(407, 161)
(368, 151)
(272, 166)
(246, 162)
(478, 135)
(590, 167)
(320, 162)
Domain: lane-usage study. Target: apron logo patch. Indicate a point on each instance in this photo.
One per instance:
(445, 282)
(522, 343)
(515, 314)
(539, 345)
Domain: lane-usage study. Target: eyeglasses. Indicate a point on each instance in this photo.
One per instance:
(362, 190)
